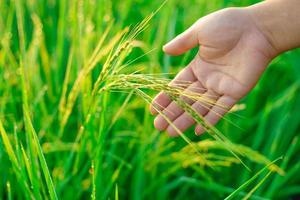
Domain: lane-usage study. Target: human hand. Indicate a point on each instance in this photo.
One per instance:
(233, 54)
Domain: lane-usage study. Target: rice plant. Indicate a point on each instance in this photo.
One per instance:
(77, 78)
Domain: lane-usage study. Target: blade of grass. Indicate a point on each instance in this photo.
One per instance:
(243, 186)
(116, 192)
(49, 182)
(257, 186)
(15, 163)
(8, 189)
(92, 171)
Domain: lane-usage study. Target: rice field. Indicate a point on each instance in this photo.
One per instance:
(76, 81)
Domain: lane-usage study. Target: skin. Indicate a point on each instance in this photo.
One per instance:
(236, 46)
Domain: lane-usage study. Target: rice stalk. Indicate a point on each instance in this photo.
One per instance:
(8, 189)
(44, 166)
(62, 101)
(148, 100)
(257, 186)
(32, 139)
(116, 192)
(27, 165)
(209, 128)
(243, 186)
(109, 68)
(90, 65)
(17, 168)
(92, 171)
(174, 92)
(124, 46)
(8, 146)
(210, 145)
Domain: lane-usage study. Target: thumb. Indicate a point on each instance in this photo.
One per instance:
(183, 42)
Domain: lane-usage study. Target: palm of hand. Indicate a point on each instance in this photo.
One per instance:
(232, 56)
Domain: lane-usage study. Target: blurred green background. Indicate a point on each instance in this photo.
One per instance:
(120, 154)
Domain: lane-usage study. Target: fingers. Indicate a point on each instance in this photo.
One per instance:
(184, 121)
(160, 102)
(223, 105)
(183, 42)
(173, 110)
(183, 79)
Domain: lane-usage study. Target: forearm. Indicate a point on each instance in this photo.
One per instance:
(279, 20)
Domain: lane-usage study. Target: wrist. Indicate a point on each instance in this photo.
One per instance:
(263, 22)
(278, 21)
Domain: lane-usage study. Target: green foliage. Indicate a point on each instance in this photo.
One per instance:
(76, 78)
